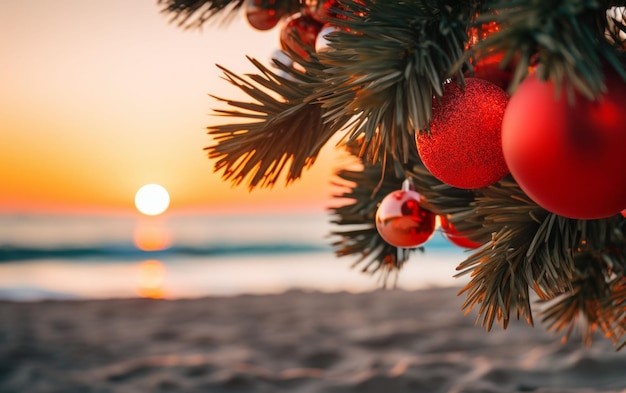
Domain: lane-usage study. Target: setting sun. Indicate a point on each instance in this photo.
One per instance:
(152, 199)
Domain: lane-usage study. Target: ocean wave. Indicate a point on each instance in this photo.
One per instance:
(121, 251)
(125, 251)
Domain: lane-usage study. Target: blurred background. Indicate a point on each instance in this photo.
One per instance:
(101, 98)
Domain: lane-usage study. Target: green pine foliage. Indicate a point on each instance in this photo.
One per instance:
(376, 85)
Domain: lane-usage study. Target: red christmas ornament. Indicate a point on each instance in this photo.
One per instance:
(477, 34)
(568, 158)
(488, 67)
(319, 10)
(463, 148)
(299, 34)
(321, 43)
(263, 14)
(402, 222)
(455, 237)
(324, 10)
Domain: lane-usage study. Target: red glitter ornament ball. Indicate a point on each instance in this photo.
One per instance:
(299, 34)
(455, 237)
(568, 157)
(463, 148)
(402, 222)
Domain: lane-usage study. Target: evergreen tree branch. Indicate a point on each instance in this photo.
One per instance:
(521, 254)
(615, 306)
(195, 13)
(368, 186)
(533, 249)
(576, 267)
(598, 293)
(385, 64)
(566, 36)
(281, 130)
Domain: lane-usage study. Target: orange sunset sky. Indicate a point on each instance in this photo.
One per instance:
(100, 97)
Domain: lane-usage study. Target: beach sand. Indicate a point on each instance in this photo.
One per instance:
(382, 341)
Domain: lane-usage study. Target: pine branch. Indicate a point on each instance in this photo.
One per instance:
(368, 187)
(576, 267)
(598, 294)
(385, 65)
(377, 80)
(566, 36)
(282, 130)
(615, 306)
(263, 145)
(530, 249)
(195, 13)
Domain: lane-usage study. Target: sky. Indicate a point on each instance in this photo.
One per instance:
(98, 98)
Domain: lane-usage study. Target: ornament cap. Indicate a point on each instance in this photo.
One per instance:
(406, 185)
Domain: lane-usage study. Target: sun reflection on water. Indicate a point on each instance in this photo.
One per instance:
(151, 235)
(152, 279)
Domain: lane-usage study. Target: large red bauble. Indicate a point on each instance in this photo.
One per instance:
(464, 148)
(299, 34)
(402, 222)
(454, 236)
(570, 158)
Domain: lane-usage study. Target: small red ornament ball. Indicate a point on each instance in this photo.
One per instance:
(464, 146)
(299, 35)
(324, 11)
(402, 222)
(263, 15)
(488, 67)
(570, 158)
(320, 10)
(455, 237)
(321, 43)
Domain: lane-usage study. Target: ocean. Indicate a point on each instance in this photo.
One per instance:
(94, 257)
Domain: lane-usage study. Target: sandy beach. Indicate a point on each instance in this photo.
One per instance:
(382, 341)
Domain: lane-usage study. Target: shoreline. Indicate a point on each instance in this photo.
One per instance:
(177, 277)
